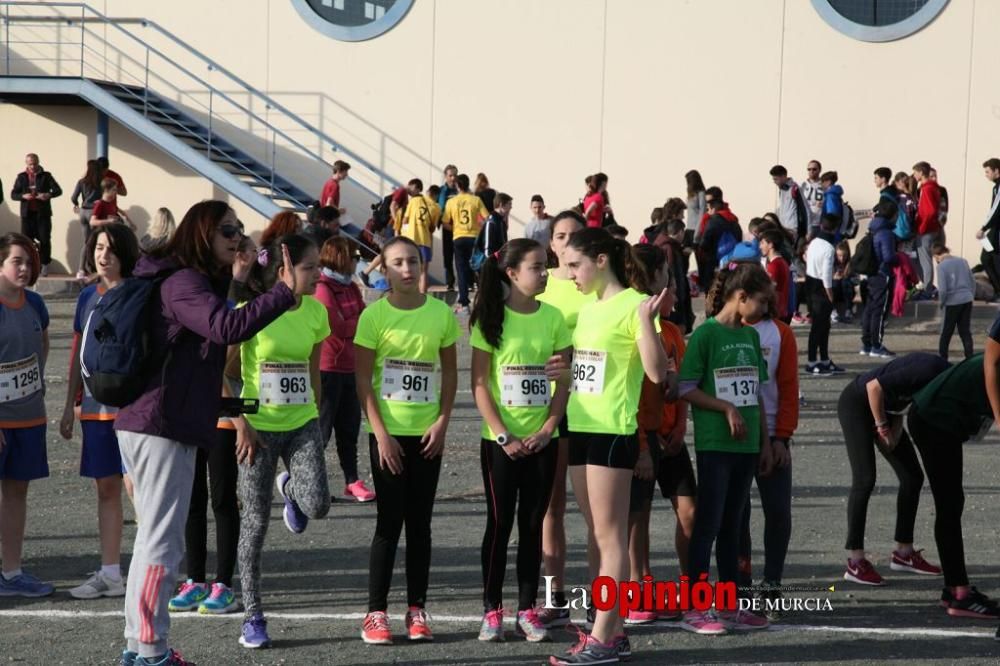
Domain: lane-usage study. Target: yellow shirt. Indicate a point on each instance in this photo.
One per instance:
(466, 212)
(564, 295)
(418, 221)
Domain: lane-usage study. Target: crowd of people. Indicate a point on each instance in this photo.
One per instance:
(585, 363)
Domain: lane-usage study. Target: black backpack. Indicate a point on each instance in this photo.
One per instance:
(849, 224)
(864, 261)
(381, 213)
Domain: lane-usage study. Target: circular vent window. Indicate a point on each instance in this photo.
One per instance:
(352, 20)
(878, 20)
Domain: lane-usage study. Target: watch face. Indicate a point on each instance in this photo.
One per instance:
(352, 20)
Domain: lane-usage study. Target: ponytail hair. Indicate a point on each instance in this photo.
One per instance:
(594, 241)
(748, 276)
(651, 258)
(494, 287)
(264, 272)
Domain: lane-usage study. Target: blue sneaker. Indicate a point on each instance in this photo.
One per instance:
(188, 597)
(221, 600)
(865, 351)
(128, 658)
(295, 520)
(171, 658)
(882, 352)
(24, 585)
(255, 633)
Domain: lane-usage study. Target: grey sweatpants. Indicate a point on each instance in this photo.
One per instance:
(302, 452)
(162, 472)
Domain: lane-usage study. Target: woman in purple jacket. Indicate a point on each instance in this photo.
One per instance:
(177, 412)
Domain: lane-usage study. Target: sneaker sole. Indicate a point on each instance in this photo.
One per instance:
(375, 641)
(903, 567)
(544, 638)
(421, 638)
(849, 577)
(233, 607)
(97, 595)
(185, 609)
(355, 498)
(640, 622)
(957, 612)
(496, 638)
(251, 646)
(558, 661)
(703, 632)
(27, 595)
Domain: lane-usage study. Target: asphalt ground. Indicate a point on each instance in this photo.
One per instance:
(315, 584)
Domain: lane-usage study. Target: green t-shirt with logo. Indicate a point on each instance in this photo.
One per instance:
(407, 372)
(564, 295)
(955, 402)
(275, 367)
(607, 370)
(517, 368)
(728, 364)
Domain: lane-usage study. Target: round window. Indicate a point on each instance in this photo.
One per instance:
(878, 20)
(352, 20)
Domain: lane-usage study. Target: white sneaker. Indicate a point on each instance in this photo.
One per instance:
(99, 585)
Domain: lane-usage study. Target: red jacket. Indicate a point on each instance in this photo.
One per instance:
(928, 208)
(344, 304)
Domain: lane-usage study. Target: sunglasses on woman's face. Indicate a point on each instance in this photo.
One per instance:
(230, 231)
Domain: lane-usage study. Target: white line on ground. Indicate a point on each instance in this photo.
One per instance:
(471, 619)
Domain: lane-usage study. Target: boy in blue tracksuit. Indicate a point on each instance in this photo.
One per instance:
(880, 284)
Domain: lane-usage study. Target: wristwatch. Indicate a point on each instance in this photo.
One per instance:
(503, 439)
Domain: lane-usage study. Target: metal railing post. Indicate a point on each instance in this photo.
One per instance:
(211, 92)
(145, 87)
(83, 30)
(274, 152)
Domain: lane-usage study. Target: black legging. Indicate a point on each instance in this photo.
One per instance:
(859, 435)
(820, 308)
(340, 415)
(218, 466)
(402, 498)
(506, 481)
(942, 456)
(960, 315)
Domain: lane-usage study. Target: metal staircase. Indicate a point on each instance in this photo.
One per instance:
(175, 97)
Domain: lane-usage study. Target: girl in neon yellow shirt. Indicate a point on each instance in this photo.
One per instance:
(561, 292)
(406, 374)
(615, 343)
(513, 336)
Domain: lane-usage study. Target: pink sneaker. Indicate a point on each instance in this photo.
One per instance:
(641, 617)
(741, 620)
(358, 491)
(704, 623)
(863, 572)
(914, 563)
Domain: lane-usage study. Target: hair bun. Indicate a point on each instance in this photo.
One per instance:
(262, 257)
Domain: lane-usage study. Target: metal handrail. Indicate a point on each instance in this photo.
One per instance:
(270, 103)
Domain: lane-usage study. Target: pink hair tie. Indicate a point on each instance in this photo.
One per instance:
(732, 266)
(262, 257)
(496, 255)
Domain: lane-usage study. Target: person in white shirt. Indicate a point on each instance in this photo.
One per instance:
(812, 193)
(819, 292)
(537, 228)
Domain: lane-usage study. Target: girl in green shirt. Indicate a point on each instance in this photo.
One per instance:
(513, 336)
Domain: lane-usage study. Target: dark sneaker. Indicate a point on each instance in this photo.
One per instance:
(295, 519)
(914, 563)
(974, 605)
(254, 634)
(593, 652)
(863, 572)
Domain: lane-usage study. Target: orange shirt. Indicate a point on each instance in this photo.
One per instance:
(654, 413)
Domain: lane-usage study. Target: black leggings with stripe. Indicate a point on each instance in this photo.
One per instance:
(528, 479)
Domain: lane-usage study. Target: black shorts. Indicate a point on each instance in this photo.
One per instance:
(641, 495)
(615, 451)
(564, 427)
(675, 475)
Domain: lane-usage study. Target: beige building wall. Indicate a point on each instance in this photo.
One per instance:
(540, 94)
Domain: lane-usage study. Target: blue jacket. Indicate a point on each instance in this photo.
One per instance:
(884, 244)
(833, 200)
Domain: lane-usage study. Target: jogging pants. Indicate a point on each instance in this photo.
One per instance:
(723, 488)
(876, 310)
(214, 471)
(448, 256)
(39, 228)
(506, 481)
(820, 308)
(162, 471)
(340, 415)
(991, 264)
(464, 248)
(960, 315)
(302, 452)
(776, 501)
(859, 435)
(942, 456)
(405, 498)
(925, 259)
